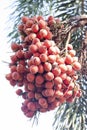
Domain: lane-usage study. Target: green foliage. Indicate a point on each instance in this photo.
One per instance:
(68, 116)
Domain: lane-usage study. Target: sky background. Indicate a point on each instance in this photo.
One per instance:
(11, 116)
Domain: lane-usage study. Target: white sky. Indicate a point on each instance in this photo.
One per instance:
(11, 116)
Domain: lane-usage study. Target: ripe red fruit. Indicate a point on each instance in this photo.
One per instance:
(20, 54)
(68, 59)
(20, 83)
(72, 52)
(68, 93)
(33, 69)
(43, 102)
(76, 66)
(14, 46)
(13, 68)
(67, 80)
(58, 87)
(51, 22)
(35, 28)
(30, 77)
(42, 24)
(43, 33)
(52, 50)
(20, 68)
(31, 106)
(69, 47)
(63, 76)
(63, 68)
(56, 71)
(12, 82)
(29, 23)
(43, 110)
(71, 86)
(47, 43)
(31, 86)
(49, 35)
(40, 18)
(42, 49)
(79, 93)
(50, 99)
(24, 19)
(15, 76)
(33, 48)
(24, 109)
(32, 36)
(50, 18)
(39, 79)
(40, 69)
(58, 80)
(69, 69)
(47, 66)
(31, 95)
(46, 73)
(20, 27)
(35, 40)
(48, 92)
(14, 58)
(58, 94)
(36, 60)
(43, 57)
(49, 76)
(52, 58)
(19, 92)
(8, 76)
(49, 84)
(30, 114)
(38, 96)
(60, 60)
